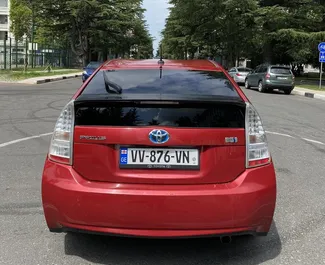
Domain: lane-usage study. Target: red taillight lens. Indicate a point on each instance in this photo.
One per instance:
(258, 162)
(62, 139)
(267, 76)
(256, 144)
(238, 74)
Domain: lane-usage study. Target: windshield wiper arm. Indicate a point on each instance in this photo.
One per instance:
(111, 88)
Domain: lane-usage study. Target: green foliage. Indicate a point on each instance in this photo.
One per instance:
(21, 18)
(91, 28)
(278, 31)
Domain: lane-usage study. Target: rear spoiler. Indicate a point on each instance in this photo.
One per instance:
(160, 99)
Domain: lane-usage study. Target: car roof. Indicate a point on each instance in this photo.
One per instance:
(274, 65)
(168, 64)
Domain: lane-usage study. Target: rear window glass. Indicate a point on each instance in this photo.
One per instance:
(93, 65)
(181, 82)
(280, 70)
(199, 115)
(244, 69)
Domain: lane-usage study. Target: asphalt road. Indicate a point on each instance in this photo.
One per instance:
(297, 236)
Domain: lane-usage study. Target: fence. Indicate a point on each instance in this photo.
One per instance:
(15, 54)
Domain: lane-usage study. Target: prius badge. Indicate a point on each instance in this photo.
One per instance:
(231, 140)
(159, 136)
(92, 138)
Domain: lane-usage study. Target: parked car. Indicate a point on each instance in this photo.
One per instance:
(168, 149)
(239, 74)
(270, 77)
(89, 70)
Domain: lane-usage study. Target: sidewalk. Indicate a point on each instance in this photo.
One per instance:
(309, 93)
(47, 79)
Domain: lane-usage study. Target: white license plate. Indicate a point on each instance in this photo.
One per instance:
(283, 78)
(159, 158)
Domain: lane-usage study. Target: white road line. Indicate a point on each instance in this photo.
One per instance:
(313, 141)
(289, 136)
(281, 134)
(24, 139)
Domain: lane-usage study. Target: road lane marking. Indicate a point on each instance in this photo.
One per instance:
(281, 134)
(24, 139)
(301, 138)
(313, 141)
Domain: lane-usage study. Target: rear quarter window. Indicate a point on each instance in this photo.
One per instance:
(143, 81)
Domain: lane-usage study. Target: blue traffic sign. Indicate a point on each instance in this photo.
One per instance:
(322, 57)
(321, 47)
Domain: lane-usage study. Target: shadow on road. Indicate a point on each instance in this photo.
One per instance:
(111, 250)
(275, 92)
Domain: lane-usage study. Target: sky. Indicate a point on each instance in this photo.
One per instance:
(157, 12)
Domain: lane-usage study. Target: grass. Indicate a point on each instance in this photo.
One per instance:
(310, 81)
(16, 75)
(312, 87)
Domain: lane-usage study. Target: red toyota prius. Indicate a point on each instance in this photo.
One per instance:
(154, 148)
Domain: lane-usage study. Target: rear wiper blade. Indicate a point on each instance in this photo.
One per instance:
(111, 88)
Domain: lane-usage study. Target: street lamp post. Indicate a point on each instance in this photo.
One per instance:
(31, 4)
(33, 28)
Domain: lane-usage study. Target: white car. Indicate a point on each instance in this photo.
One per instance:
(239, 74)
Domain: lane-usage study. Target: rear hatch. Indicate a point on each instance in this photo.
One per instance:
(281, 75)
(159, 139)
(243, 72)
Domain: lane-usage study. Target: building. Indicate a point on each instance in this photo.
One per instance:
(4, 19)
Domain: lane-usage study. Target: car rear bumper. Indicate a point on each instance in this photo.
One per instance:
(85, 77)
(240, 79)
(244, 206)
(279, 86)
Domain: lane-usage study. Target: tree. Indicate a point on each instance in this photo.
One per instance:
(21, 18)
(275, 31)
(209, 28)
(92, 28)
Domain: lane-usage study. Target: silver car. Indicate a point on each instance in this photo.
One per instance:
(239, 74)
(268, 77)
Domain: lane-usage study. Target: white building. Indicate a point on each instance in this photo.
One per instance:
(4, 18)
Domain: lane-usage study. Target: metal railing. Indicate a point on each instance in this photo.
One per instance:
(4, 10)
(17, 54)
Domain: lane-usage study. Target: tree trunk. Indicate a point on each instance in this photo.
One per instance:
(105, 54)
(267, 52)
(85, 60)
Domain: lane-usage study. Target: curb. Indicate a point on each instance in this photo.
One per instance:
(48, 80)
(308, 94)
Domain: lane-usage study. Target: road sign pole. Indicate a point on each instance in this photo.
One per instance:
(321, 75)
(321, 48)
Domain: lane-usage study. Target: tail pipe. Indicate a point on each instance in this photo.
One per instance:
(226, 239)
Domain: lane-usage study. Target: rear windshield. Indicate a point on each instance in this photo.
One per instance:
(199, 115)
(93, 65)
(143, 81)
(244, 69)
(281, 70)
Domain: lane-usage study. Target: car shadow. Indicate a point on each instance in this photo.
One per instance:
(275, 92)
(120, 251)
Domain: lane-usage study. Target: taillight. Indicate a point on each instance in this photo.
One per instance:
(267, 76)
(238, 74)
(257, 151)
(62, 139)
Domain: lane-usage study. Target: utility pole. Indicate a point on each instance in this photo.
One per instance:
(33, 29)
(31, 4)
